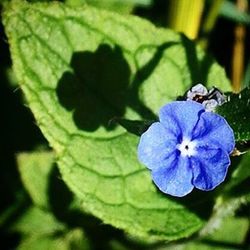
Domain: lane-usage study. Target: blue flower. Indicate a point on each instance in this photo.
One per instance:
(187, 148)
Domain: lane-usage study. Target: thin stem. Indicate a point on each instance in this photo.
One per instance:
(238, 50)
(209, 22)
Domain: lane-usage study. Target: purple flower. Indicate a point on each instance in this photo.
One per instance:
(187, 148)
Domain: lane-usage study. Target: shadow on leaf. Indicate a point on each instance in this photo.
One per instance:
(198, 68)
(99, 87)
(67, 209)
(96, 89)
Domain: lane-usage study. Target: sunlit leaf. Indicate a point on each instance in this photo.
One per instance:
(81, 67)
(35, 169)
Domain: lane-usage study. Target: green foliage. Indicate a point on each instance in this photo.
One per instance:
(35, 170)
(239, 182)
(227, 233)
(72, 240)
(81, 67)
(224, 238)
(230, 11)
(243, 171)
(38, 222)
(120, 6)
(237, 113)
(94, 80)
(40, 226)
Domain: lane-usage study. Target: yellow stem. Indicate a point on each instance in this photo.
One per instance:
(185, 15)
(238, 50)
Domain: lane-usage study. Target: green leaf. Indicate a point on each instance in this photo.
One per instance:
(42, 180)
(81, 67)
(35, 170)
(239, 182)
(123, 7)
(40, 227)
(230, 235)
(243, 170)
(237, 113)
(246, 80)
(40, 230)
(74, 240)
(232, 230)
(230, 11)
(37, 221)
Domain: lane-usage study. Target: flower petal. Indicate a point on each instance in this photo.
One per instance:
(175, 178)
(181, 116)
(214, 129)
(209, 167)
(156, 145)
(186, 126)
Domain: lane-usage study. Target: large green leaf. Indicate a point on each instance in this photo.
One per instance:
(119, 6)
(81, 67)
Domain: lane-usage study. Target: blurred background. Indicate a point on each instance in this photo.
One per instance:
(220, 27)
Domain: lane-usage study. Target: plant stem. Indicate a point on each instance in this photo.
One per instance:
(209, 22)
(238, 50)
(184, 16)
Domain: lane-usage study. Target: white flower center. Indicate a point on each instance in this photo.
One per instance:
(187, 147)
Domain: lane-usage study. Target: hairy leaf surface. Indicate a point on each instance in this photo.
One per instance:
(80, 68)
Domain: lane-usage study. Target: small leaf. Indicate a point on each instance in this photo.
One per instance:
(37, 221)
(240, 179)
(237, 113)
(35, 169)
(40, 230)
(230, 235)
(74, 239)
(81, 67)
(243, 170)
(232, 230)
(42, 180)
(230, 11)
